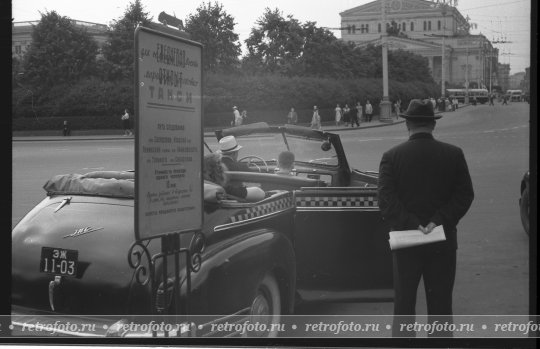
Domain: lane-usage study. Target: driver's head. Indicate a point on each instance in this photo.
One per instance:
(228, 146)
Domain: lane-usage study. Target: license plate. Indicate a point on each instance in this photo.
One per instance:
(59, 261)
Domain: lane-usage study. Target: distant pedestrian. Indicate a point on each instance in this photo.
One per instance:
(440, 104)
(316, 119)
(67, 130)
(369, 111)
(474, 100)
(237, 121)
(244, 116)
(339, 114)
(292, 117)
(505, 100)
(454, 104)
(396, 109)
(126, 123)
(433, 102)
(356, 115)
(346, 114)
(491, 97)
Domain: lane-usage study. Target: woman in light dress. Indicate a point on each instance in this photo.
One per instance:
(339, 114)
(316, 119)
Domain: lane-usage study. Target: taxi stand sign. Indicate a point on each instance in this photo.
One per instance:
(169, 135)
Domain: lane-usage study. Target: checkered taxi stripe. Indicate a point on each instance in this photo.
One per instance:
(264, 209)
(337, 201)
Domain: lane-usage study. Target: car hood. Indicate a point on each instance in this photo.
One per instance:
(95, 227)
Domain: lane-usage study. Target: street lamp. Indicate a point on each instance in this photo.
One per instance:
(442, 56)
(385, 106)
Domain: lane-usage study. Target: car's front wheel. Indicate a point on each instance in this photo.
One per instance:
(266, 306)
(524, 208)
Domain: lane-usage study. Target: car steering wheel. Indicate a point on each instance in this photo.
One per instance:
(255, 165)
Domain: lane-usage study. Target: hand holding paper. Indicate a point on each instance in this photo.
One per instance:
(410, 238)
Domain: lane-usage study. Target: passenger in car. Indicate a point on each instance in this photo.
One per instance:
(214, 171)
(229, 147)
(285, 164)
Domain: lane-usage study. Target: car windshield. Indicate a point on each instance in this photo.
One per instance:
(269, 145)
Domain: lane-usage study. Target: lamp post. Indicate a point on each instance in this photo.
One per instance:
(442, 55)
(385, 107)
(490, 63)
(466, 101)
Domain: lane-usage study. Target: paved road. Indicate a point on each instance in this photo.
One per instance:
(493, 256)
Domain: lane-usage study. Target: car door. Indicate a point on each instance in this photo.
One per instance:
(341, 245)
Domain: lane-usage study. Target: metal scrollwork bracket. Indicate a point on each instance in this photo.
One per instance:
(140, 259)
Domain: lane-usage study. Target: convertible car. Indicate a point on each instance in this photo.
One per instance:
(316, 236)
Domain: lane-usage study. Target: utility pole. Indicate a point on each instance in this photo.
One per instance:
(385, 107)
(490, 63)
(442, 55)
(467, 77)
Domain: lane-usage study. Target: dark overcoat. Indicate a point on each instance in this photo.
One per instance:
(424, 180)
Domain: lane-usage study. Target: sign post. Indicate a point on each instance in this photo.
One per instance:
(169, 136)
(168, 159)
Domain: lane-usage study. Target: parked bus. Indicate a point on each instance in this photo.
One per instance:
(514, 95)
(481, 94)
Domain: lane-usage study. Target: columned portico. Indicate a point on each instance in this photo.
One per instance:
(422, 25)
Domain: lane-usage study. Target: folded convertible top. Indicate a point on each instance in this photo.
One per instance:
(119, 184)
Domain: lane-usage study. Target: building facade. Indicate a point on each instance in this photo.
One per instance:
(504, 76)
(421, 27)
(21, 36)
(516, 80)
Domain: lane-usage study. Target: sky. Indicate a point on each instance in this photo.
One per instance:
(507, 21)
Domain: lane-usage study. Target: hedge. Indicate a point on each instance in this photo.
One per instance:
(94, 104)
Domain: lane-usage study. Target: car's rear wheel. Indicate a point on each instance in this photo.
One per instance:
(266, 306)
(524, 208)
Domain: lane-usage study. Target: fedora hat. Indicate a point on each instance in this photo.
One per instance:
(228, 144)
(420, 110)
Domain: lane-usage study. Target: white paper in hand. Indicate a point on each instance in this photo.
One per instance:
(409, 238)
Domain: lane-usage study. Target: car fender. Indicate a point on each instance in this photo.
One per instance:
(232, 269)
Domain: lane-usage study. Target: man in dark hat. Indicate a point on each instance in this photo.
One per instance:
(424, 183)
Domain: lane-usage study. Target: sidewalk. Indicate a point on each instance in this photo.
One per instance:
(26, 136)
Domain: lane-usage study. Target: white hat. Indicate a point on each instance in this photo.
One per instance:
(228, 144)
(235, 107)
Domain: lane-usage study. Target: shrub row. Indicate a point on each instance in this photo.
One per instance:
(95, 104)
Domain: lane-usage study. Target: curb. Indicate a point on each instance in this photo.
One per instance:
(206, 134)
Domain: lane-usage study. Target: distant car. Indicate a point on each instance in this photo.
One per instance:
(317, 236)
(524, 202)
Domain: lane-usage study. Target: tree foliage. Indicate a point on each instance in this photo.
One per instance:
(276, 43)
(60, 53)
(287, 47)
(214, 28)
(118, 50)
